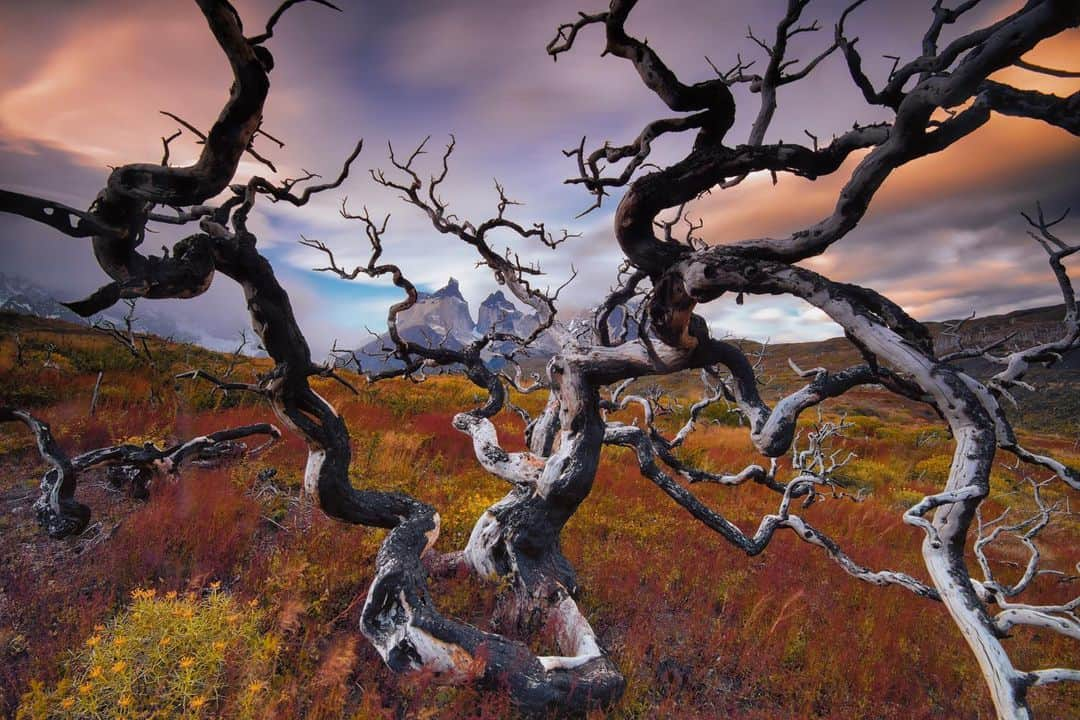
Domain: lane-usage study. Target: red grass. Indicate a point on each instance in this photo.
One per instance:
(192, 531)
(454, 445)
(700, 630)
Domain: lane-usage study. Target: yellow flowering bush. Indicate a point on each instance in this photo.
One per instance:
(934, 469)
(166, 656)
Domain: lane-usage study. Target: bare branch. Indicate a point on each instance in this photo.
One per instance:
(284, 191)
(1046, 70)
(68, 220)
(753, 545)
(272, 21)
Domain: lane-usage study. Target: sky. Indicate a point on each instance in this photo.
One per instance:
(83, 81)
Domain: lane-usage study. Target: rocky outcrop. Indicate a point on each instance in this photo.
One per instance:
(444, 317)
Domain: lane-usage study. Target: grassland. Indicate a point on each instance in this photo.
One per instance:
(227, 594)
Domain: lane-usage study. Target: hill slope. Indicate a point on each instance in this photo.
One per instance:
(1056, 405)
(228, 579)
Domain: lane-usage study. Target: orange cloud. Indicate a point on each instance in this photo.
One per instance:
(96, 94)
(943, 286)
(1005, 147)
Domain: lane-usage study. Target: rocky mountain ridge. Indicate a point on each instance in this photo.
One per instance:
(23, 297)
(444, 317)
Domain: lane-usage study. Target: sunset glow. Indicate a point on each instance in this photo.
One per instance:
(73, 102)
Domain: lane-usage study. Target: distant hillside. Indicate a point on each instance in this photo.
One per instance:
(24, 297)
(1055, 408)
(444, 316)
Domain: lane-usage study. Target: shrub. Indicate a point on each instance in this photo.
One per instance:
(907, 497)
(874, 474)
(164, 657)
(720, 414)
(934, 469)
(865, 422)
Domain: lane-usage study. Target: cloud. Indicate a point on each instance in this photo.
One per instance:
(769, 320)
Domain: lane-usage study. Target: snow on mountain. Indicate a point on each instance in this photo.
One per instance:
(23, 297)
(442, 317)
(19, 295)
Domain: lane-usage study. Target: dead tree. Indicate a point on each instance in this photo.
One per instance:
(133, 341)
(61, 515)
(136, 343)
(950, 82)
(516, 541)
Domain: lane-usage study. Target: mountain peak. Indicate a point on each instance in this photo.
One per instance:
(495, 298)
(451, 290)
